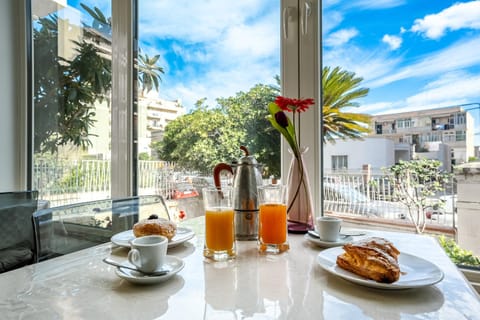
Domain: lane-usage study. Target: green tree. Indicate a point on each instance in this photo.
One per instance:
(248, 112)
(199, 140)
(414, 182)
(65, 90)
(207, 136)
(340, 89)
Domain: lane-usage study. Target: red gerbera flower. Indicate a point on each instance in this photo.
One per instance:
(293, 105)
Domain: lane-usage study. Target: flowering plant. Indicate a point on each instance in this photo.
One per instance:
(300, 206)
(283, 124)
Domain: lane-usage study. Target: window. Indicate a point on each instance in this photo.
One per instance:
(404, 123)
(460, 135)
(71, 102)
(339, 163)
(209, 63)
(460, 118)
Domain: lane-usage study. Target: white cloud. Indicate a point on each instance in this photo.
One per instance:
(370, 65)
(340, 37)
(195, 21)
(219, 82)
(222, 47)
(450, 89)
(455, 86)
(458, 16)
(460, 55)
(394, 42)
(377, 108)
(377, 4)
(330, 21)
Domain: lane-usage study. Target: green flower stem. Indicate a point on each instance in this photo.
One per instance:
(301, 182)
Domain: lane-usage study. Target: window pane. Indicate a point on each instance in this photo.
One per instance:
(71, 94)
(216, 69)
(417, 76)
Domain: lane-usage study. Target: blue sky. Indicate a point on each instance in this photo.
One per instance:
(412, 55)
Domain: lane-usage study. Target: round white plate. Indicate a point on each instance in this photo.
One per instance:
(328, 244)
(173, 264)
(415, 272)
(122, 239)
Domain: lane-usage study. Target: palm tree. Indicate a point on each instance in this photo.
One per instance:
(340, 88)
(149, 72)
(100, 22)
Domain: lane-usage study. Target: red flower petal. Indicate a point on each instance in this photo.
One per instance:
(293, 105)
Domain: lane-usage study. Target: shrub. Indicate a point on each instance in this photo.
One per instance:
(459, 256)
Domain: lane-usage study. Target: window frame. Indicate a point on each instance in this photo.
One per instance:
(301, 65)
(300, 70)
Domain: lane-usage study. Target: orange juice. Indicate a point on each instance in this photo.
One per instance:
(219, 230)
(273, 223)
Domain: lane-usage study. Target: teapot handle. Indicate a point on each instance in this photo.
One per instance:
(216, 173)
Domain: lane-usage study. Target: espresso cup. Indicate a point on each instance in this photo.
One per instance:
(328, 228)
(148, 253)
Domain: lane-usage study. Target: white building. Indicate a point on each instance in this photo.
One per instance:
(427, 130)
(153, 116)
(352, 155)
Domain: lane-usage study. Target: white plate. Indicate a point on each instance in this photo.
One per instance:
(173, 264)
(415, 272)
(122, 239)
(328, 244)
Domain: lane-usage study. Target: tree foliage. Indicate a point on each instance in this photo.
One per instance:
(65, 90)
(414, 183)
(209, 135)
(149, 72)
(340, 90)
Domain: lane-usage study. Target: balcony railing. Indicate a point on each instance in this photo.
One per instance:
(345, 193)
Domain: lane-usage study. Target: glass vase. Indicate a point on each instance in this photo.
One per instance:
(300, 206)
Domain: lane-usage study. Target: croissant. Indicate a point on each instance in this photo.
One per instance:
(372, 258)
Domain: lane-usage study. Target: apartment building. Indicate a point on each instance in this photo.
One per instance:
(153, 116)
(430, 133)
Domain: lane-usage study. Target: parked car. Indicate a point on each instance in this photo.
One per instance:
(201, 182)
(182, 191)
(346, 199)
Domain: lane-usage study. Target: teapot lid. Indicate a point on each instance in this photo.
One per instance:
(247, 159)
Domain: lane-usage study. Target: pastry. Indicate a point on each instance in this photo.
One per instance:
(155, 226)
(380, 243)
(372, 258)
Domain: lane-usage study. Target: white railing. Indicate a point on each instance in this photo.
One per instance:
(353, 193)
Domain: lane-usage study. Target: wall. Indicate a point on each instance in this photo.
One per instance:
(11, 129)
(468, 204)
(378, 152)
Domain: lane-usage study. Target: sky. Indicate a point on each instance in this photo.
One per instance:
(412, 55)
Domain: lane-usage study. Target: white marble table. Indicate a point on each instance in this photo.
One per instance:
(253, 286)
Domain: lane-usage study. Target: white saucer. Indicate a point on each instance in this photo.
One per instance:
(122, 239)
(328, 244)
(172, 263)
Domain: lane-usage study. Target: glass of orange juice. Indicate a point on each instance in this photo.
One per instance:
(219, 224)
(272, 219)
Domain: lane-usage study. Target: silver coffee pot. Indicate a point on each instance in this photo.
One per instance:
(246, 178)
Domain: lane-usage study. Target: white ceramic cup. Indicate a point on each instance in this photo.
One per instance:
(148, 253)
(328, 228)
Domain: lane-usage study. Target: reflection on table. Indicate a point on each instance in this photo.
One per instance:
(286, 286)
